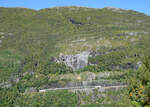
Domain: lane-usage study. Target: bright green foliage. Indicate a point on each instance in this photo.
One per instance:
(139, 90)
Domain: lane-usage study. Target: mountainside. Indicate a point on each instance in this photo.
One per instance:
(26, 33)
(37, 46)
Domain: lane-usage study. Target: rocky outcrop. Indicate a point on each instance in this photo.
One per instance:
(115, 9)
(76, 61)
(79, 61)
(74, 21)
(32, 89)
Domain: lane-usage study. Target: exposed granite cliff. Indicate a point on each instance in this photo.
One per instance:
(76, 61)
(79, 61)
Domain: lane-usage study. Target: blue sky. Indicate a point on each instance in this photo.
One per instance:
(138, 5)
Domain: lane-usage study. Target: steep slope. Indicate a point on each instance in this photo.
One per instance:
(116, 38)
(69, 45)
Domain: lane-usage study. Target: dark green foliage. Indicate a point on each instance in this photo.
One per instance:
(8, 96)
(11, 97)
(53, 99)
(56, 68)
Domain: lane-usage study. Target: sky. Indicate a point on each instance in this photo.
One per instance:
(138, 5)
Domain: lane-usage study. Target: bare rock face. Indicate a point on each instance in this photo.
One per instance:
(114, 9)
(139, 64)
(32, 89)
(76, 61)
(79, 61)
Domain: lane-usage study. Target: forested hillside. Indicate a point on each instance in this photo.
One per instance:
(30, 41)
